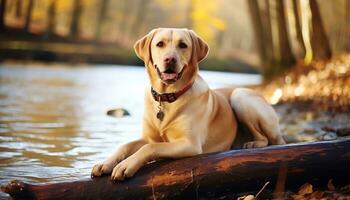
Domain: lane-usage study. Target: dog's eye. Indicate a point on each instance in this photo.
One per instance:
(160, 44)
(183, 45)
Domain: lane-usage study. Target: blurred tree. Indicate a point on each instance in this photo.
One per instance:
(267, 31)
(101, 17)
(263, 36)
(29, 15)
(76, 17)
(189, 11)
(207, 23)
(258, 30)
(51, 15)
(2, 14)
(347, 26)
(271, 63)
(267, 38)
(319, 41)
(298, 30)
(123, 20)
(286, 58)
(141, 9)
(18, 8)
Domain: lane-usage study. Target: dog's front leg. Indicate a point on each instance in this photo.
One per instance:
(122, 153)
(153, 151)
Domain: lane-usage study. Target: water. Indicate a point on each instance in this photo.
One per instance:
(53, 122)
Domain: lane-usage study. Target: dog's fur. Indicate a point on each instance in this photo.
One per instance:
(199, 121)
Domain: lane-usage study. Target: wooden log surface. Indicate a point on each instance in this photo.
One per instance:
(234, 171)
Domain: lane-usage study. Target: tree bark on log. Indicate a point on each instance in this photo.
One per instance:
(234, 171)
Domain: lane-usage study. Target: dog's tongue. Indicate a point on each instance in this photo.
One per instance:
(168, 76)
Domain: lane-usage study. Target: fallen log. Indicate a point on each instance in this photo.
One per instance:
(234, 171)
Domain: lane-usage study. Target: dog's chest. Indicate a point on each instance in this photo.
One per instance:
(169, 124)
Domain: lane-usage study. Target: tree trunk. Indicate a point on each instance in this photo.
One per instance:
(18, 8)
(299, 34)
(2, 14)
(76, 16)
(319, 41)
(286, 56)
(29, 15)
(258, 31)
(123, 20)
(101, 18)
(347, 27)
(269, 48)
(139, 17)
(232, 172)
(126, 9)
(52, 21)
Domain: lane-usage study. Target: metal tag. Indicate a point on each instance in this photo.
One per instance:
(160, 115)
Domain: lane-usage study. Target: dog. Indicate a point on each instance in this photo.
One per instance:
(182, 116)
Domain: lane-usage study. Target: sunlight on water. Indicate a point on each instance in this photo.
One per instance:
(53, 122)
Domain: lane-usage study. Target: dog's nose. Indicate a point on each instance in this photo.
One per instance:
(170, 60)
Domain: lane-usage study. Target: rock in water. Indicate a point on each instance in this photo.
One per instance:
(118, 112)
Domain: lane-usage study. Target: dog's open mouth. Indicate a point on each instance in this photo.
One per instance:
(169, 76)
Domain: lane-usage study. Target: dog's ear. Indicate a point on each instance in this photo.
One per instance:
(200, 48)
(142, 47)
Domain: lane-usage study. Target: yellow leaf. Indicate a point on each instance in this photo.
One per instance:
(305, 189)
(298, 197)
(219, 24)
(247, 197)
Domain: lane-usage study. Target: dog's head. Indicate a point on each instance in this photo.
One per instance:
(171, 55)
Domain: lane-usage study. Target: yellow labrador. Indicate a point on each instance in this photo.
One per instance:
(183, 117)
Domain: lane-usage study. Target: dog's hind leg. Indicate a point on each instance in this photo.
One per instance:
(260, 140)
(265, 131)
(273, 133)
(258, 116)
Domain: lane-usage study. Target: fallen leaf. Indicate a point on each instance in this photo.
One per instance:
(246, 197)
(305, 189)
(317, 195)
(330, 185)
(298, 197)
(249, 197)
(345, 189)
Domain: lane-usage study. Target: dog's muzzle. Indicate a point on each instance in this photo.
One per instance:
(169, 76)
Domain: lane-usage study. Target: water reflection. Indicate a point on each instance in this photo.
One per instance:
(53, 122)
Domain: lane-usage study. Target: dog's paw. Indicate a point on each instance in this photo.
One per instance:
(126, 168)
(97, 170)
(101, 169)
(255, 144)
